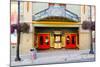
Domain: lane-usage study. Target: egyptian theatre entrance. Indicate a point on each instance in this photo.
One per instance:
(56, 28)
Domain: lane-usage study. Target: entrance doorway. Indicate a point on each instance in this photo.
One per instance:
(43, 41)
(71, 40)
(57, 39)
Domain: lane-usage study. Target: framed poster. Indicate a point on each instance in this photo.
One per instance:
(60, 33)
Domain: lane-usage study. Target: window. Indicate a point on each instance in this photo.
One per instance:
(73, 40)
(57, 38)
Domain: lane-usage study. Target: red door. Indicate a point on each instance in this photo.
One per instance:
(43, 41)
(71, 41)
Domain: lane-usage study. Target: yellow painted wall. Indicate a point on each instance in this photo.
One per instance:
(52, 41)
(63, 41)
(52, 44)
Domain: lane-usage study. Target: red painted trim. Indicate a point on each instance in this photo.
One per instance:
(62, 5)
(51, 4)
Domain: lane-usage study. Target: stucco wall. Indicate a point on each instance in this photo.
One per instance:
(84, 39)
(27, 14)
(26, 43)
(84, 35)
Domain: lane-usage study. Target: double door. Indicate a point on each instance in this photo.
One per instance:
(71, 40)
(43, 41)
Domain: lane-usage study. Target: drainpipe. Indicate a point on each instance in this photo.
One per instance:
(18, 35)
(91, 44)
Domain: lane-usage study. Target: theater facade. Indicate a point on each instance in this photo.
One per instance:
(55, 25)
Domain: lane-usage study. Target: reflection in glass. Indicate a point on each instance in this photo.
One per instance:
(68, 40)
(47, 40)
(73, 41)
(41, 40)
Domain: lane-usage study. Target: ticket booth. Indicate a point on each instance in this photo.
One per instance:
(71, 40)
(57, 39)
(43, 41)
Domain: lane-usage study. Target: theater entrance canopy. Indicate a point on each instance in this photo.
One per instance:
(56, 12)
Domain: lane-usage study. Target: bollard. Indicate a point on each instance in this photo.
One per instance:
(33, 53)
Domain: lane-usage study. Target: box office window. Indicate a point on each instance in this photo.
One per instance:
(57, 38)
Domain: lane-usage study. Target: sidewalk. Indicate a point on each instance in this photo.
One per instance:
(55, 57)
